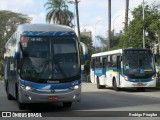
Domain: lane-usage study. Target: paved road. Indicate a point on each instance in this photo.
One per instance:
(94, 100)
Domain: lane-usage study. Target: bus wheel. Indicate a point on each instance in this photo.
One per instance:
(21, 106)
(98, 85)
(115, 85)
(9, 97)
(67, 104)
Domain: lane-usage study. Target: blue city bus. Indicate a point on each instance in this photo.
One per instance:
(123, 68)
(42, 64)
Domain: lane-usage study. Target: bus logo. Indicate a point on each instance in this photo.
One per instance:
(55, 71)
(52, 91)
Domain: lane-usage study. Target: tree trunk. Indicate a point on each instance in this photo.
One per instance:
(158, 44)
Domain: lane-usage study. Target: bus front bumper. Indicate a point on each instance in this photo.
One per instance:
(41, 96)
(128, 84)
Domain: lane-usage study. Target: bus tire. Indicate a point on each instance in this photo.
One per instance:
(9, 97)
(98, 85)
(21, 106)
(115, 85)
(67, 104)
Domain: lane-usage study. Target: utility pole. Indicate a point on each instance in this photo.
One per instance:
(143, 28)
(77, 14)
(109, 24)
(126, 14)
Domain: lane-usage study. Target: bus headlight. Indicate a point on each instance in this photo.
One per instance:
(75, 87)
(126, 78)
(153, 77)
(27, 88)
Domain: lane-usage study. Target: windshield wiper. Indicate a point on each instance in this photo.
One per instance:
(63, 73)
(43, 69)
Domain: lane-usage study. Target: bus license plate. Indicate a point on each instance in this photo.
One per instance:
(53, 98)
(140, 84)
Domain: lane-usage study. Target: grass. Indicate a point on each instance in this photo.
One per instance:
(158, 83)
(1, 77)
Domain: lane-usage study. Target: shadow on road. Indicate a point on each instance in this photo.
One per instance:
(45, 107)
(134, 90)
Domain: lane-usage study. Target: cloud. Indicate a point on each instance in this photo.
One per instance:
(32, 8)
(90, 11)
(38, 18)
(18, 6)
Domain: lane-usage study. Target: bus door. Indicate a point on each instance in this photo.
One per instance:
(118, 67)
(12, 77)
(92, 71)
(104, 66)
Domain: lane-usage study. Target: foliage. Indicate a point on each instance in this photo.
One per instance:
(58, 12)
(133, 36)
(114, 42)
(8, 24)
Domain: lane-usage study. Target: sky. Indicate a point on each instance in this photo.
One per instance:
(93, 14)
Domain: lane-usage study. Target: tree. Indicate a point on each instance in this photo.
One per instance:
(133, 36)
(9, 21)
(114, 42)
(58, 12)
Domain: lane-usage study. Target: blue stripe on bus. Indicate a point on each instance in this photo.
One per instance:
(50, 86)
(64, 33)
(102, 71)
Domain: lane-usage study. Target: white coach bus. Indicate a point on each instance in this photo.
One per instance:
(42, 64)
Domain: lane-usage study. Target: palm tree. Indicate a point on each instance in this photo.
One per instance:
(114, 41)
(58, 12)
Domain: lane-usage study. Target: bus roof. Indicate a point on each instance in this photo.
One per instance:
(119, 51)
(43, 27)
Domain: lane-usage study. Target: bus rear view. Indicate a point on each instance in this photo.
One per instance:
(46, 61)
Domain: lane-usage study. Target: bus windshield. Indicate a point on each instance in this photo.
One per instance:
(138, 65)
(54, 59)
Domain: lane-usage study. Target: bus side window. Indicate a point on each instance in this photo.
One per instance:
(104, 62)
(119, 61)
(114, 60)
(99, 65)
(93, 63)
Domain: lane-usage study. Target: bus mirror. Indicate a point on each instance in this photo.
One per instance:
(18, 54)
(120, 58)
(85, 50)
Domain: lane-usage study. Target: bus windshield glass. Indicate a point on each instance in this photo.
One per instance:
(138, 65)
(49, 59)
